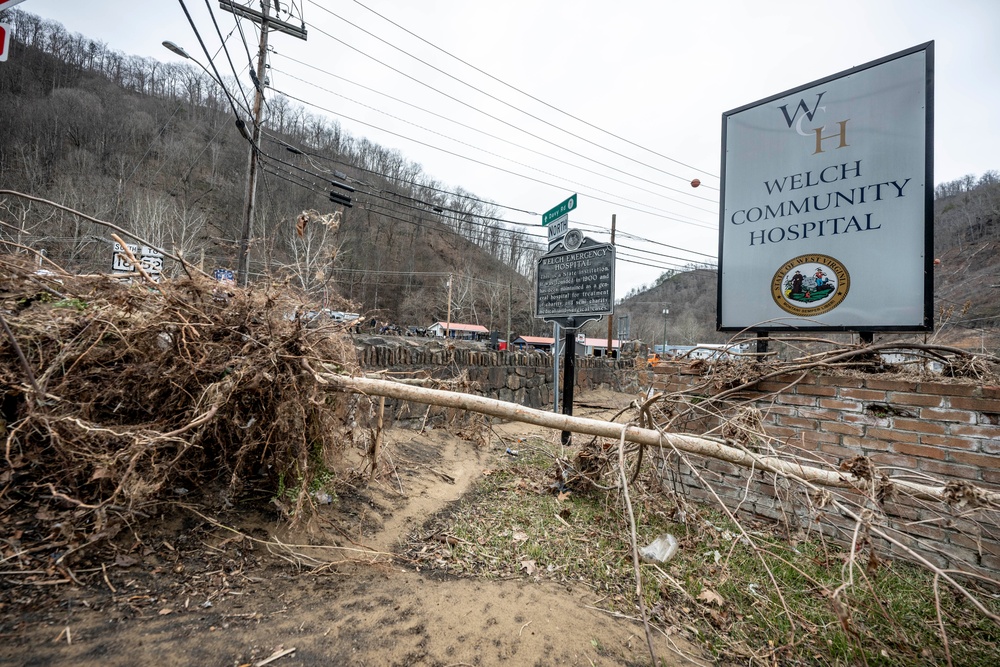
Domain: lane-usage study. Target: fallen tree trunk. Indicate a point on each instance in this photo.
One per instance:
(960, 493)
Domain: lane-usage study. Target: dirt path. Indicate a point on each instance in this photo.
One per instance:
(205, 596)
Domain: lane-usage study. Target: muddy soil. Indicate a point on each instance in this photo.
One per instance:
(192, 592)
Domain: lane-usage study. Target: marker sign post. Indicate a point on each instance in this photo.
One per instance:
(575, 285)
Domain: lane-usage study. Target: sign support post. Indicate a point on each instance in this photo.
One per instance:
(555, 367)
(569, 376)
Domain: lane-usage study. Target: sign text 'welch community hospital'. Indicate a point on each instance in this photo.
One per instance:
(825, 216)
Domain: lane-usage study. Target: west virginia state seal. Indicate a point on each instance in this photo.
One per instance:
(810, 285)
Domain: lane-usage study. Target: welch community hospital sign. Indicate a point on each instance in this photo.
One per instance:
(826, 208)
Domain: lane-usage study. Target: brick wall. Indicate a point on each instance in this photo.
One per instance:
(929, 431)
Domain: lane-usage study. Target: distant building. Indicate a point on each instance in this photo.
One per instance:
(459, 331)
(597, 347)
(534, 343)
(588, 347)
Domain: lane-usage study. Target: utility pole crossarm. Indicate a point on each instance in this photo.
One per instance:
(259, 17)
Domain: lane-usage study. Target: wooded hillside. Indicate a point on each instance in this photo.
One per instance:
(154, 148)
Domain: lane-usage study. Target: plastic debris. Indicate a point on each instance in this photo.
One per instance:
(660, 550)
(322, 497)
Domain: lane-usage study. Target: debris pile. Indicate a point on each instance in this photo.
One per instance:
(116, 395)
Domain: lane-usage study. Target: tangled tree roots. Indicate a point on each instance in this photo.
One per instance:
(116, 394)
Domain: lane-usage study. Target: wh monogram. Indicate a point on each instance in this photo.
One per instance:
(794, 119)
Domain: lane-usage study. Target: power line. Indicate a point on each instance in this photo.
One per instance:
(211, 62)
(434, 206)
(540, 101)
(604, 230)
(501, 169)
(243, 38)
(503, 102)
(391, 178)
(474, 129)
(438, 209)
(496, 118)
(226, 51)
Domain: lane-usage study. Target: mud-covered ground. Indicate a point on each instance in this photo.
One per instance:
(190, 591)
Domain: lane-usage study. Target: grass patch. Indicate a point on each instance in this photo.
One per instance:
(762, 600)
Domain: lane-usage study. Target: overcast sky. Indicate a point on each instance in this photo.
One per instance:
(621, 103)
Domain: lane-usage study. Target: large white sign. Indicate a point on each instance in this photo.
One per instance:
(826, 207)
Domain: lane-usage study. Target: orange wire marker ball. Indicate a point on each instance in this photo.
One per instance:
(695, 183)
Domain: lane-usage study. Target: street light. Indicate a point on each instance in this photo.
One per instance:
(179, 50)
(666, 311)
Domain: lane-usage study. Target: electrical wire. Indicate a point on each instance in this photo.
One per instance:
(380, 210)
(462, 221)
(478, 131)
(211, 62)
(312, 186)
(497, 99)
(498, 119)
(414, 184)
(226, 51)
(243, 37)
(495, 167)
(600, 229)
(540, 101)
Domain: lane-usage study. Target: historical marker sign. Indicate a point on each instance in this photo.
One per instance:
(576, 285)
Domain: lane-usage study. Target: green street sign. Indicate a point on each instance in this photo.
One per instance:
(559, 211)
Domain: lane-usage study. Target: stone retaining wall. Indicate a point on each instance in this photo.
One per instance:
(518, 377)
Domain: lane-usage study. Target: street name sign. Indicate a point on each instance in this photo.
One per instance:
(558, 227)
(561, 209)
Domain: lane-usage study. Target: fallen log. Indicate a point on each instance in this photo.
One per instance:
(959, 493)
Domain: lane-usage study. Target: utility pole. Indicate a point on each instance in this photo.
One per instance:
(611, 317)
(666, 311)
(243, 265)
(267, 23)
(510, 299)
(447, 325)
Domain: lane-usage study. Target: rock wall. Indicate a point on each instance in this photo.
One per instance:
(518, 377)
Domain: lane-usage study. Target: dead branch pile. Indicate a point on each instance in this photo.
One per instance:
(902, 359)
(116, 394)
